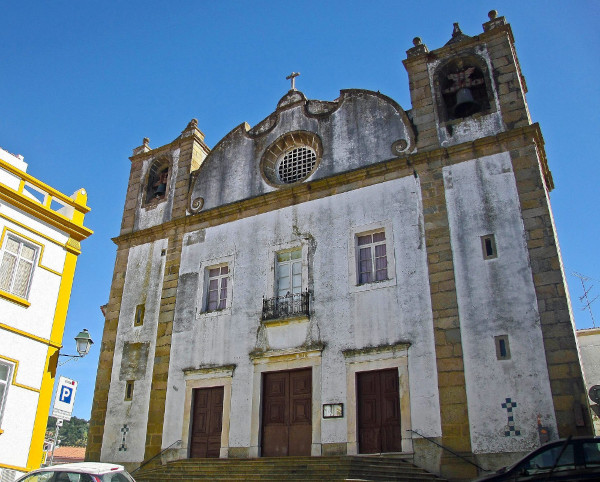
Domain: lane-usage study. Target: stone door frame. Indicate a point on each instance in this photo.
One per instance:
(283, 360)
(207, 378)
(378, 358)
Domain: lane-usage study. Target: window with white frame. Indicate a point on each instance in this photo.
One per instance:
(216, 288)
(371, 254)
(289, 272)
(16, 268)
(5, 374)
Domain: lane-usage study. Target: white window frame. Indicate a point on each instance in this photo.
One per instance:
(353, 256)
(6, 383)
(22, 242)
(205, 268)
(281, 248)
(291, 264)
(220, 278)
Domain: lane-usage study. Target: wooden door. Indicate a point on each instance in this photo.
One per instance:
(287, 413)
(207, 421)
(378, 412)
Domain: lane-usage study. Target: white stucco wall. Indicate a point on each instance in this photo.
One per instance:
(32, 223)
(589, 348)
(496, 297)
(21, 403)
(26, 355)
(342, 318)
(15, 160)
(143, 285)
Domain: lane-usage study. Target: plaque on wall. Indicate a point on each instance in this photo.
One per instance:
(333, 410)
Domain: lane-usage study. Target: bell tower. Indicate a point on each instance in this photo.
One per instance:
(159, 179)
(470, 88)
(484, 181)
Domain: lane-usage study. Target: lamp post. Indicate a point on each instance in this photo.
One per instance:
(83, 343)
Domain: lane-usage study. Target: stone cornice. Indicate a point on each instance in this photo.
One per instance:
(449, 50)
(393, 168)
(178, 142)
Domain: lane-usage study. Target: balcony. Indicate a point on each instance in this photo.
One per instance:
(286, 306)
(36, 198)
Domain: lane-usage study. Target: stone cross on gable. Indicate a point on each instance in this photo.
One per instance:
(292, 77)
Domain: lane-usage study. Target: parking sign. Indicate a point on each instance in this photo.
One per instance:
(64, 399)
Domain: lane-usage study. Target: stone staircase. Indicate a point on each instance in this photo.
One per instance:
(306, 469)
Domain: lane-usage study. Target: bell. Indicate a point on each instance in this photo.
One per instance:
(161, 189)
(465, 104)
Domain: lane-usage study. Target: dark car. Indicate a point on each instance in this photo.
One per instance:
(79, 472)
(573, 459)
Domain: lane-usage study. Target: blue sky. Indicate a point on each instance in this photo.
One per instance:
(82, 83)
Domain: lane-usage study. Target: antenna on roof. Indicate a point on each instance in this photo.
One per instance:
(584, 298)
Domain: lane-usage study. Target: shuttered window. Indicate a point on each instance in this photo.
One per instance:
(16, 268)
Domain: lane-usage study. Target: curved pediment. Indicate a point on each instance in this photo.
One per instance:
(303, 140)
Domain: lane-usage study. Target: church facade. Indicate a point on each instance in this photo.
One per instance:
(347, 277)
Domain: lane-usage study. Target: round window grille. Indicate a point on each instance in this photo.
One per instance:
(296, 164)
(291, 158)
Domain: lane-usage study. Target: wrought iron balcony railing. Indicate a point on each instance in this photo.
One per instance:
(284, 306)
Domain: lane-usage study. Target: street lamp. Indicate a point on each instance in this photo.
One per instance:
(83, 343)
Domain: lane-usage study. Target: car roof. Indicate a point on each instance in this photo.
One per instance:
(97, 468)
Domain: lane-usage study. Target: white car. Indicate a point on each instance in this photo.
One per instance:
(79, 472)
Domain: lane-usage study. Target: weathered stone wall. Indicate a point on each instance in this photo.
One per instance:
(342, 317)
(356, 130)
(554, 306)
(496, 297)
(105, 362)
(134, 352)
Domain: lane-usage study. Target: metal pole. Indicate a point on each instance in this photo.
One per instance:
(58, 425)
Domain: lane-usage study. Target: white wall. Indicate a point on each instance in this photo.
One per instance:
(496, 297)
(37, 320)
(343, 317)
(143, 285)
(589, 347)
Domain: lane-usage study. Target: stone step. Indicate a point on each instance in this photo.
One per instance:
(305, 469)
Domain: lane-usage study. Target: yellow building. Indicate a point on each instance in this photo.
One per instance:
(40, 234)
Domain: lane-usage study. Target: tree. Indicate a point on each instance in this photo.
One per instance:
(73, 433)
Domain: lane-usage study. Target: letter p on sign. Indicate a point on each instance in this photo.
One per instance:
(65, 394)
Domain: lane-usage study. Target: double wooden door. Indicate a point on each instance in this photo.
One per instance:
(207, 422)
(286, 417)
(378, 412)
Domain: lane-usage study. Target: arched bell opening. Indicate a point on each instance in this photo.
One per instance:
(463, 88)
(158, 176)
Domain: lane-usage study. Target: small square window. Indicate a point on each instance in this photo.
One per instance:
(216, 287)
(488, 245)
(139, 315)
(129, 390)
(371, 257)
(502, 347)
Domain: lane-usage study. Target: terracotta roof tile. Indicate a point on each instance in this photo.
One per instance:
(69, 452)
